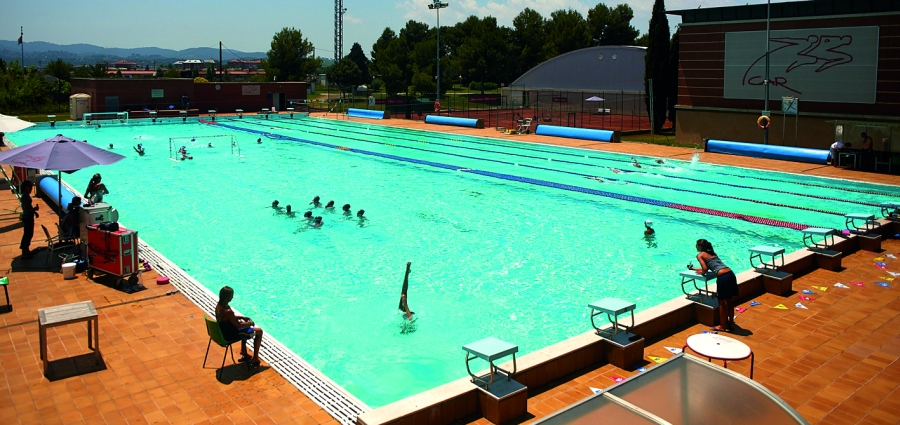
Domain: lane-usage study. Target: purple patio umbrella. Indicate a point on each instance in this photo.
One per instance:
(58, 153)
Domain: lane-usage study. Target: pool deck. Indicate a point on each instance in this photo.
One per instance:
(835, 362)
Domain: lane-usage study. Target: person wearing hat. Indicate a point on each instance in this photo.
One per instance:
(648, 228)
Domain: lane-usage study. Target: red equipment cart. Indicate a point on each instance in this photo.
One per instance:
(114, 253)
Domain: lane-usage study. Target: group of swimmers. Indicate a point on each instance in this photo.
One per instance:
(316, 221)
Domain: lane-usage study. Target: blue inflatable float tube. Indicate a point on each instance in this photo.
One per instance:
(755, 150)
(50, 187)
(458, 122)
(577, 133)
(368, 113)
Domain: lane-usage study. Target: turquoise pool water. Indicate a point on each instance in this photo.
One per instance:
(491, 256)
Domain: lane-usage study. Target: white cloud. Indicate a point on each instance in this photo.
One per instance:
(504, 11)
(348, 18)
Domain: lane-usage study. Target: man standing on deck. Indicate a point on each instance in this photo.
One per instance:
(836, 150)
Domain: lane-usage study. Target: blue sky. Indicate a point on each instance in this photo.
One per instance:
(249, 25)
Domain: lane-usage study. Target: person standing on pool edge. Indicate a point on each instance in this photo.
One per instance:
(404, 306)
(726, 283)
(29, 212)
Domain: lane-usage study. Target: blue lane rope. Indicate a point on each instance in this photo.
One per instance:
(602, 158)
(784, 192)
(737, 198)
(509, 177)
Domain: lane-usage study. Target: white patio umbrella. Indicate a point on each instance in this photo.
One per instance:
(10, 124)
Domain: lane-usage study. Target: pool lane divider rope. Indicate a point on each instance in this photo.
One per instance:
(537, 182)
(737, 198)
(827, 198)
(846, 189)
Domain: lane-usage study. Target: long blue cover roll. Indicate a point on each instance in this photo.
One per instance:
(365, 113)
(575, 133)
(459, 122)
(784, 153)
(50, 186)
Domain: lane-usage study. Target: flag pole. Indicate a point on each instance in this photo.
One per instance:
(22, 45)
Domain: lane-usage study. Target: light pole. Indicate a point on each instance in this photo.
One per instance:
(437, 5)
(766, 101)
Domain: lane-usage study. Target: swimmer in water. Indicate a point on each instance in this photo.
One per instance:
(329, 205)
(139, 149)
(660, 161)
(404, 306)
(308, 215)
(346, 209)
(648, 228)
(259, 141)
(275, 204)
(111, 146)
(635, 163)
(360, 214)
(287, 210)
(616, 170)
(315, 202)
(317, 222)
(209, 145)
(595, 178)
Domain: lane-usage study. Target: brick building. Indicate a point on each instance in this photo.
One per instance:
(836, 61)
(117, 95)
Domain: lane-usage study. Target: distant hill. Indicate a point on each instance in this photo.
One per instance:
(89, 54)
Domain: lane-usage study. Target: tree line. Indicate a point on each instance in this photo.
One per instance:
(480, 53)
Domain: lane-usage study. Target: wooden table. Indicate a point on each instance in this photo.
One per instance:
(67, 314)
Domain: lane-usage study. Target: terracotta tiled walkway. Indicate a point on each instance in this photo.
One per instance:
(152, 345)
(835, 362)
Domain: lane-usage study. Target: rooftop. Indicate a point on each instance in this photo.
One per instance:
(785, 10)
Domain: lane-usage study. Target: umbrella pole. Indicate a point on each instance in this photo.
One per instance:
(59, 197)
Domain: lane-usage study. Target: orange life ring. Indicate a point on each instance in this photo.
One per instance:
(437, 106)
(763, 122)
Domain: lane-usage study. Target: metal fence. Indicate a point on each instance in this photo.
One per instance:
(609, 110)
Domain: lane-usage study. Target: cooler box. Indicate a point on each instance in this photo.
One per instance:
(96, 214)
(115, 252)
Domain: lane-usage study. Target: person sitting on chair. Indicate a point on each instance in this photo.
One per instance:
(70, 221)
(234, 326)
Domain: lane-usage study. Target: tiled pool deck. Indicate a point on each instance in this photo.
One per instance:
(835, 362)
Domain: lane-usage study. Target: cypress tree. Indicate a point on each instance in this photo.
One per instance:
(673, 76)
(656, 63)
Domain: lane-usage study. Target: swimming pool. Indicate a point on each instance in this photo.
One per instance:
(502, 241)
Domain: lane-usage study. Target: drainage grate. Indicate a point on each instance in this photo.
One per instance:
(321, 390)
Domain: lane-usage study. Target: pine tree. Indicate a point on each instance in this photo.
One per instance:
(673, 76)
(656, 64)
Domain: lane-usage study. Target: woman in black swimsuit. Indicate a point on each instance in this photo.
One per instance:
(234, 326)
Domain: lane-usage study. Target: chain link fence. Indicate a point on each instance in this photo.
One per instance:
(607, 110)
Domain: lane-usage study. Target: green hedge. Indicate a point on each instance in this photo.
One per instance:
(476, 85)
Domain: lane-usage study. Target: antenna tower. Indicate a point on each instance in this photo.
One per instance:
(339, 11)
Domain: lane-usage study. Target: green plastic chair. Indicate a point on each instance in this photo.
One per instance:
(4, 282)
(215, 335)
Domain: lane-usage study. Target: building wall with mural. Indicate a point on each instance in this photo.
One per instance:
(833, 60)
